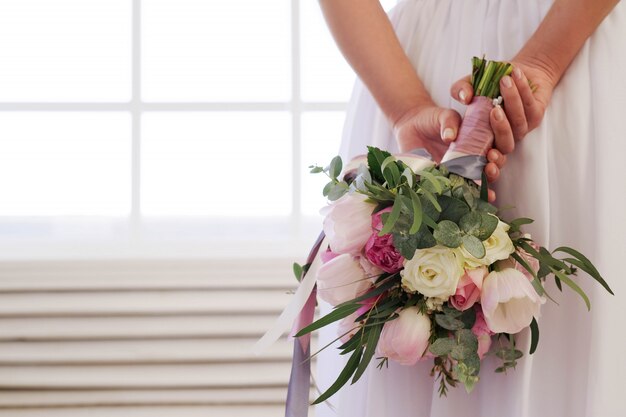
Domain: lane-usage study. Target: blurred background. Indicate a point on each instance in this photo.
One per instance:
(154, 192)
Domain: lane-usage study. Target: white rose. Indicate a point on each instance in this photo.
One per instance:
(433, 272)
(498, 246)
(509, 301)
(348, 223)
(341, 279)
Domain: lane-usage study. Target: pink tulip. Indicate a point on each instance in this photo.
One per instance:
(482, 332)
(405, 339)
(347, 223)
(341, 279)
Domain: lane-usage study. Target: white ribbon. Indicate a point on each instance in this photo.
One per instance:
(285, 321)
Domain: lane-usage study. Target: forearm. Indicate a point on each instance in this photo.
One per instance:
(366, 38)
(562, 33)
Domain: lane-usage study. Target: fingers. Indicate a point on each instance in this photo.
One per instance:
(504, 140)
(449, 122)
(514, 107)
(492, 171)
(462, 90)
(491, 196)
(532, 108)
(496, 157)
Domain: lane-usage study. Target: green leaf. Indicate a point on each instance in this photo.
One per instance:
(447, 322)
(390, 171)
(343, 377)
(417, 212)
(468, 338)
(370, 349)
(432, 199)
(297, 270)
(474, 246)
(375, 158)
(335, 167)
(430, 178)
(570, 283)
(410, 177)
(335, 315)
(393, 217)
(534, 336)
(337, 191)
(588, 266)
(451, 208)
(519, 222)
(406, 243)
(523, 262)
(488, 225)
(468, 318)
(486, 207)
(509, 354)
(484, 187)
(442, 346)
(470, 223)
(448, 234)
(316, 169)
(327, 188)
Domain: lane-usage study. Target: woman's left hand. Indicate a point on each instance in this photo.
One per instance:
(524, 106)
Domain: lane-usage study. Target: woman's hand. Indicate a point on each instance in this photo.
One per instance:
(524, 103)
(434, 128)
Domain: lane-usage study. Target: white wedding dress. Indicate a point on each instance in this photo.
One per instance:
(569, 175)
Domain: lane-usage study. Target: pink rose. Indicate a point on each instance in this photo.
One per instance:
(405, 339)
(377, 221)
(482, 332)
(379, 250)
(468, 289)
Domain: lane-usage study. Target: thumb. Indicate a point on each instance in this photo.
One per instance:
(449, 122)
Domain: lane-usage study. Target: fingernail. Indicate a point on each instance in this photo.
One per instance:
(517, 73)
(448, 133)
(499, 114)
(507, 81)
(462, 95)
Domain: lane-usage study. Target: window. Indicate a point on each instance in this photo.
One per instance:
(164, 127)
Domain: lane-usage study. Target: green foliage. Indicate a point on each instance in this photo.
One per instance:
(448, 234)
(486, 76)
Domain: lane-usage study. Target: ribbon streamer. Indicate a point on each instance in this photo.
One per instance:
(288, 317)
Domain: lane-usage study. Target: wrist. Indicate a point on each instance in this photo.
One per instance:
(543, 63)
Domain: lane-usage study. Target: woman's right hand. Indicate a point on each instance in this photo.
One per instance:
(433, 128)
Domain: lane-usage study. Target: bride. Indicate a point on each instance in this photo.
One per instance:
(567, 173)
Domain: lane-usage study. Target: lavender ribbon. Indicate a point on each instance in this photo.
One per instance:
(297, 404)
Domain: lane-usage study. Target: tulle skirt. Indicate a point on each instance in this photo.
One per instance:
(568, 174)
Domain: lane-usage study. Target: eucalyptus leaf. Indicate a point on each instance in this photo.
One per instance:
(474, 246)
(335, 167)
(448, 234)
(442, 346)
(448, 322)
(452, 208)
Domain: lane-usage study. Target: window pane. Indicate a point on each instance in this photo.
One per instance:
(64, 164)
(216, 164)
(235, 50)
(321, 135)
(69, 50)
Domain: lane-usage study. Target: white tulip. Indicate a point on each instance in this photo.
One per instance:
(509, 301)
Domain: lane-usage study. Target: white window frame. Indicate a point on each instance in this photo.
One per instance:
(300, 226)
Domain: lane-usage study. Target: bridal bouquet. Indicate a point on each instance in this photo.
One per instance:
(418, 265)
